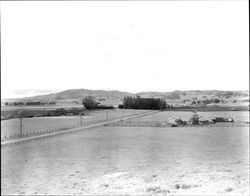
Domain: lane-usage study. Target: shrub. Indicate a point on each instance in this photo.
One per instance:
(9, 116)
(29, 116)
(60, 111)
(76, 111)
(104, 107)
(38, 115)
(33, 103)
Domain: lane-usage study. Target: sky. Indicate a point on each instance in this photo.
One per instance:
(127, 46)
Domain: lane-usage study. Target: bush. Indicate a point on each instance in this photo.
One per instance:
(38, 115)
(9, 116)
(104, 107)
(60, 111)
(214, 100)
(120, 106)
(33, 103)
(76, 111)
(29, 116)
(180, 122)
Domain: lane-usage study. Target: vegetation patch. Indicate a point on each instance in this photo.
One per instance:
(229, 189)
(157, 190)
(144, 103)
(182, 186)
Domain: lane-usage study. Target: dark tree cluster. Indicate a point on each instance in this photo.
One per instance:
(90, 103)
(62, 111)
(104, 107)
(144, 103)
(17, 103)
(206, 101)
(35, 103)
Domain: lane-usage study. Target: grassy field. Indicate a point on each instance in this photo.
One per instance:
(130, 161)
(238, 116)
(31, 110)
(42, 124)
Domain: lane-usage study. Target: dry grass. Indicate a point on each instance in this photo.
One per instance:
(131, 161)
(44, 124)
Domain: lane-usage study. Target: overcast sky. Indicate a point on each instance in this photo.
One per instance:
(128, 46)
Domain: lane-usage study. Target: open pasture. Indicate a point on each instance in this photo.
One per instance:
(238, 116)
(32, 110)
(131, 161)
(42, 124)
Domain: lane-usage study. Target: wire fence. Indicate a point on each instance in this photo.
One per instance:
(26, 127)
(134, 123)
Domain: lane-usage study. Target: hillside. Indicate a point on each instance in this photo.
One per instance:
(75, 94)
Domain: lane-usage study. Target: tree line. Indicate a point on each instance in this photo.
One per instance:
(90, 103)
(137, 102)
(203, 101)
(16, 103)
(129, 102)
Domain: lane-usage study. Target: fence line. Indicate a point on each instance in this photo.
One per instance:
(76, 123)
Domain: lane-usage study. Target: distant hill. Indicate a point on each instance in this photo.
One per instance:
(81, 93)
(194, 93)
(76, 94)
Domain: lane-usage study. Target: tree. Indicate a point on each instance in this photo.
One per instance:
(162, 104)
(90, 103)
(144, 103)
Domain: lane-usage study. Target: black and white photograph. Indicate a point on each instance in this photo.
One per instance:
(125, 97)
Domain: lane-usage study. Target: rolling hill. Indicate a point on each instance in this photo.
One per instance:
(74, 94)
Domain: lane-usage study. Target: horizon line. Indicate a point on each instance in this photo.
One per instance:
(151, 91)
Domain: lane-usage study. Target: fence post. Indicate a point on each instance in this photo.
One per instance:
(21, 126)
(81, 119)
(122, 113)
(20, 114)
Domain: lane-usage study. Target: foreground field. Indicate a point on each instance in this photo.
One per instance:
(141, 161)
(32, 125)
